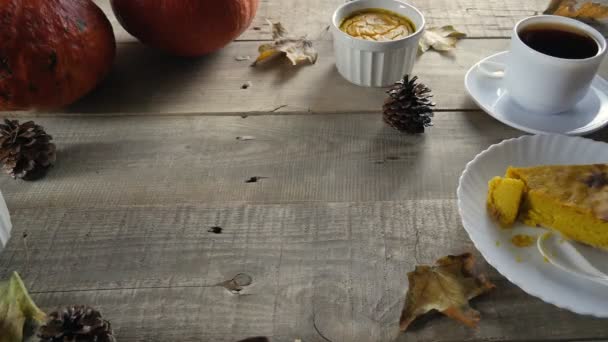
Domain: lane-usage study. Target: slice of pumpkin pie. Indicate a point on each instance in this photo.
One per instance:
(572, 199)
(504, 199)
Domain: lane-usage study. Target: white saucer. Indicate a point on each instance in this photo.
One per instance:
(589, 115)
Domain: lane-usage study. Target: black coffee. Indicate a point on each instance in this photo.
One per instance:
(559, 41)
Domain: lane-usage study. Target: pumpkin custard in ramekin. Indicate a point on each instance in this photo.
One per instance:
(376, 41)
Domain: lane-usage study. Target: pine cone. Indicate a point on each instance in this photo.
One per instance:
(408, 107)
(26, 150)
(76, 324)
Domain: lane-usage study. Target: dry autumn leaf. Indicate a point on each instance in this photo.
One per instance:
(588, 11)
(16, 308)
(446, 287)
(298, 50)
(440, 38)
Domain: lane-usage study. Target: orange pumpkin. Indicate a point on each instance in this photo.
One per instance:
(52, 52)
(185, 27)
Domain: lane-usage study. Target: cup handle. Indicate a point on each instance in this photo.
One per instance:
(492, 69)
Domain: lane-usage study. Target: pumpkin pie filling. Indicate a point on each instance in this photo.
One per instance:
(377, 25)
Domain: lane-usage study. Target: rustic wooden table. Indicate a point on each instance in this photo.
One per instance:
(151, 160)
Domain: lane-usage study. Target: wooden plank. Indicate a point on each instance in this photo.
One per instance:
(493, 18)
(145, 82)
(339, 267)
(170, 160)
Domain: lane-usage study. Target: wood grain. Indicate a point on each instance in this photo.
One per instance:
(118, 161)
(338, 269)
(493, 18)
(342, 209)
(197, 159)
(144, 82)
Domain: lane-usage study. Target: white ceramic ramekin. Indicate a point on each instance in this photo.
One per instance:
(375, 64)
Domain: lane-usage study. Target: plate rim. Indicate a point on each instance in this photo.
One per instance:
(483, 251)
(515, 125)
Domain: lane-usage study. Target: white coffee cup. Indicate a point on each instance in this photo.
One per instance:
(541, 83)
(372, 63)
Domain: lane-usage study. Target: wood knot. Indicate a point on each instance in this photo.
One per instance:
(236, 284)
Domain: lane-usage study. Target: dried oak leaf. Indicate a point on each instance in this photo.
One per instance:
(446, 287)
(440, 38)
(298, 50)
(587, 11)
(17, 310)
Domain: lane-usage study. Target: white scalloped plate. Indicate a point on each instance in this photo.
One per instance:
(525, 267)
